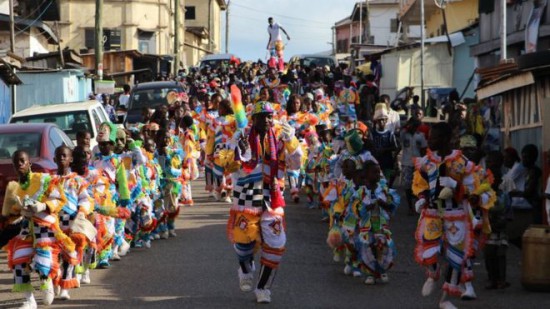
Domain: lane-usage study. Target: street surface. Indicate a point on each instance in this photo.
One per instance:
(198, 269)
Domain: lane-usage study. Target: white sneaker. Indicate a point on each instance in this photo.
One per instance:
(86, 277)
(164, 235)
(384, 278)
(29, 304)
(336, 257)
(447, 305)
(469, 293)
(428, 287)
(228, 200)
(124, 248)
(263, 296)
(172, 233)
(49, 294)
(357, 274)
(370, 280)
(147, 244)
(156, 237)
(64, 295)
(245, 281)
(115, 257)
(57, 290)
(348, 270)
(79, 278)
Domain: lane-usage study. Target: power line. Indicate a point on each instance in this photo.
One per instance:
(34, 21)
(275, 14)
(295, 25)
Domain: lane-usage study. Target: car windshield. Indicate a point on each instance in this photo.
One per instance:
(317, 61)
(150, 97)
(10, 142)
(215, 63)
(69, 122)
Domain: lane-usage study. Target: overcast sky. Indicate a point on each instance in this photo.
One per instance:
(308, 22)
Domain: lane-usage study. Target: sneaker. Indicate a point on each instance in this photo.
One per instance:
(369, 280)
(79, 279)
(336, 257)
(156, 237)
(357, 274)
(446, 305)
(138, 244)
(115, 257)
(324, 219)
(469, 293)
(263, 296)
(29, 304)
(57, 290)
(64, 295)
(172, 233)
(147, 244)
(104, 264)
(228, 200)
(348, 270)
(164, 235)
(124, 248)
(384, 278)
(428, 287)
(245, 281)
(49, 295)
(86, 277)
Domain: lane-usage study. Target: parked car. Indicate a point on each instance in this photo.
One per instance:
(216, 61)
(312, 59)
(70, 117)
(148, 95)
(39, 140)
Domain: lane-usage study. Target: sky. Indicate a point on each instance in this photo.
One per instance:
(308, 22)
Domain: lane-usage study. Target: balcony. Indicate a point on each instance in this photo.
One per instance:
(409, 10)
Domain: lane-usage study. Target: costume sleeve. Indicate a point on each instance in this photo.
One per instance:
(54, 197)
(85, 202)
(122, 185)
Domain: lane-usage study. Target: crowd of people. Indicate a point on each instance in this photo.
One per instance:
(255, 133)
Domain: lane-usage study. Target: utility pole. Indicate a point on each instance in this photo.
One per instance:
(176, 36)
(12, 28)
(422, 103)
(227, 28)
(99, 38)
(59, 45)
(503, 38)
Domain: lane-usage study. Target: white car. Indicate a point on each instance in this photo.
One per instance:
(69, 117)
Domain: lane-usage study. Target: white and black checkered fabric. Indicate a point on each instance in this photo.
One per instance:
(41, 232)
(252, 195)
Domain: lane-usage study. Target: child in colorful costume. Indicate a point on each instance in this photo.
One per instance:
(257, 218)
(375, 245)
(35, 201)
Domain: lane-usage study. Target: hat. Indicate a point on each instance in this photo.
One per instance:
(310, 96)
(107, 132)
(213, 84)
(361, 126)
(262, 107)
(468, 141)
(380, 111)
(354, 144)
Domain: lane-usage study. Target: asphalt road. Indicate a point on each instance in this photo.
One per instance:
(198, 269)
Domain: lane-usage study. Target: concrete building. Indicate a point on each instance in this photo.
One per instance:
(143, 25)
(203, 28)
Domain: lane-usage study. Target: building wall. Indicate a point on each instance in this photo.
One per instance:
(26, 44)
(128, 16)
(5, 102)
(205, 10)
(460, 14)
(380, 23)
(464, 65)
(193, 55)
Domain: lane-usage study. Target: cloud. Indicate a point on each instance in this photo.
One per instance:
(307, 22)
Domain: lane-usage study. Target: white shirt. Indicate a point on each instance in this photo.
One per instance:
(274, 32)
(123, 100)
(394, 122)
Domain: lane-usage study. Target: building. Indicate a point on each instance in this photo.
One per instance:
(142, 25)
(372, 26)
(203, 28)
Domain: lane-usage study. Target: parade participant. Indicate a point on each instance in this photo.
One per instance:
(323, 167)
(34, 201)
(378, 205)
(257, 217)
(275, 43)
(207, 125)
(225, 127)
(413, 145)
(72, 218)
(111, 166)
(385, 143)
(170, 158)
(443, 183)
(187, 139)
(83, 139)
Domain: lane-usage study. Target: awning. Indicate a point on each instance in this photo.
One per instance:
(512, 82)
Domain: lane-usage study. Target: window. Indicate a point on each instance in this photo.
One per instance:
(55, 138)
(111, 39)
(10, 142)
(189, 13)
(150, 97)
(394, 25)
(146, 42)
(69, 122)
(96, 120)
